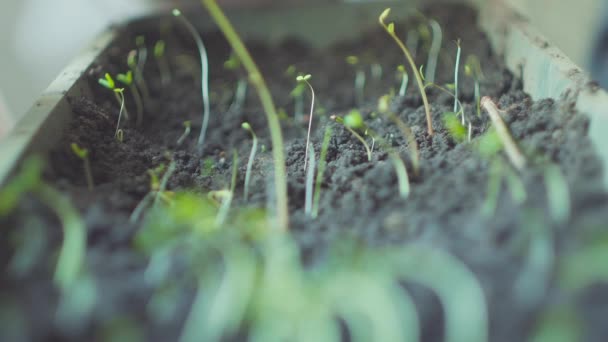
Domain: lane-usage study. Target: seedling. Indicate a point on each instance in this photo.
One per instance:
(161, 61)
(456, 68)
(411, 42)
(119, 134)
(431, 64)
(472, 68)
(454, 127)
(359, 79)
(83, 154)
(257, 80)
(558, 194)
(376, 72)
(158, 186)
(204, 73)
(127, 79)
(108, 83)
(390, 29)
(142, 58)
(186, 133)
(351, 122)
(233, 64)
(310, 178)
(515, 156)
(320, 172)
(225, 207)
(498, 171)
(304, 79)
(298, 96)
(404, 80)
(246, 126)
(384, 108)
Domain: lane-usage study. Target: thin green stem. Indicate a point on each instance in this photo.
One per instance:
(320, 171)
(254, 149)
(282, 220)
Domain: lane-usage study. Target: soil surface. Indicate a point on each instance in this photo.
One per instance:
(359, 198)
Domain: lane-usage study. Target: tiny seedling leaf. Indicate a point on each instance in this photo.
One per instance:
(384, 15)
(80, 152)
(107, 81)
(159, 48)
(454, 127)
(352, 60)
(354, 120)
(126, 79)
(391, 28)
(303, 78)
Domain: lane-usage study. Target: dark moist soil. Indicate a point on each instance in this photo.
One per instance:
(359, 198)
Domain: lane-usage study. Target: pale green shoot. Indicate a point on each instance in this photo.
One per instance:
(320, 171)
(161, 60)
(127, 79)
(305, 79)
(187, 127)
(246, 126)
(108, 82)
(83, 154)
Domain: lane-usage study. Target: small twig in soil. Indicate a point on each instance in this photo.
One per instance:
(515, 156)
(83, 154)
(255, 77)
(352, 122)
(390, 29)
(204, 73)
(320, 171)
(246, 126)
(312, 108)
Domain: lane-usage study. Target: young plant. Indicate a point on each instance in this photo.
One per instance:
(558, 194)
(204, 73)
(119, 133)
(255, 77)
(161, 61)
(108, 83)
(431, 64)
(411, 41)
(499, 171)
(127, 79)
(359, 79)
(456, 69)
(158, 185)
(390, 29)
(515, 156)
(310, 178)
(384, 108)
(222, 213)
(304, 79)
(83, 154)
(320, 172)
(404, 80)
(187, 125)
(233, 64)
(142, 58)
(351, 122)
(246, 126)
(472, 68)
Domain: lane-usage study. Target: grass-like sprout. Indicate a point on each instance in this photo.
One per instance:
(411, 41)
(321, 171)
(472, 68)
(384, 108)
(83, 154)
(222, 213)
(161, 61)
(257, 80)
(390, 29)
(454, 126)
(310, 178)
(404, 80)
(354, 120)
(108, 83)
(127, 79)
(142, 58)
(497, 173)
(515, 156)
(118, 134)
(359, 79)
(233, 64)
(456, 69)
(431, 64)
(558, 194)
(246, 126)
(304, 79)
(187, 127)
(376, 72)
(204, 73)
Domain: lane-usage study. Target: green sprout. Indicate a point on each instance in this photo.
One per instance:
(257, 80)
(127, 79)
(108, 82)
(384, 108)
(246, 126)
(304, 79)
(558, 194)
(161, 61)
(222, 214)
(310, 179)
(158, 192)
(456, 69)
(234, 64)
(187, 124)
(404, 80)
(204, 72)
(431, 64)
(376, 72)
(411, 42)
(359, 79)
(515, 156)
(390, 29)
(472, 68)
(354, 119)
(454, 127)
(118, 134)
(142, 58)
(83, 154)
(321, 171)
(297, 93)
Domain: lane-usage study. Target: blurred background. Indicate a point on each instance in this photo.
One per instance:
(40, 37)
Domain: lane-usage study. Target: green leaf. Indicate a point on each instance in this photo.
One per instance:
(80, 152)
(107, 81)
(304, 78)
(454, 127)
(354, 120)
(126, 79)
